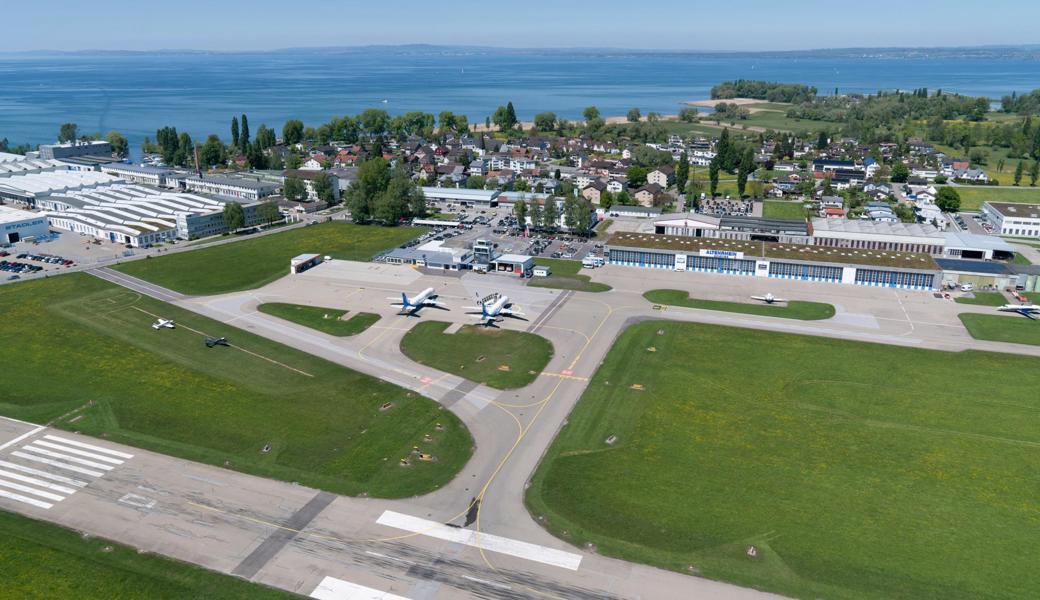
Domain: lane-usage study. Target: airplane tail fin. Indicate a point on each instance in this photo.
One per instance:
(404, 299)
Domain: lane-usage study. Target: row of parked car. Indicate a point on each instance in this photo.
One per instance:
(45, 258)
(18, 268)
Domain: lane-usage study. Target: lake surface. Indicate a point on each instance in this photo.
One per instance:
(198, 93)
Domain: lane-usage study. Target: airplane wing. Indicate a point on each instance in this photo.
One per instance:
(430, 302)
(779, 300)
(762, 298)
(1027, 313)
(512, 313)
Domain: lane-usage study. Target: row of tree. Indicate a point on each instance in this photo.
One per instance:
(576, 214)
(383, 194)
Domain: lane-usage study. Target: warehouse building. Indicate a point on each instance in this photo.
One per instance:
(28, 189)
(1018, 220)
(776, 260)
(990, 275)
(17, 225)
(75, 149)
(153, 176)
(238, 188)
(878, 235)
(28, 166)
(462, 196)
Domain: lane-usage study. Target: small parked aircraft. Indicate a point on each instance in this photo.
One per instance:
(216, 341)
(412, 305)
(768, 299)
(167, 323)
(1026, 310)
(492, 310)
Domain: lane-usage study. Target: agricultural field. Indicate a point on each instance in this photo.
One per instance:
(255, 262)
(500, 358)
(853, 470)
(89, 360)
(565, 276)
(46, 561)
(1002, 328)
(325, 320)
(795, 309)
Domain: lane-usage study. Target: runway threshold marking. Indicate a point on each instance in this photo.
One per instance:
(331, 588)
(59, 453)
(485, 541)
(25, 435)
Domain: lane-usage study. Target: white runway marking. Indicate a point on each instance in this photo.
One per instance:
(500, 586)
(331, 588)
(28, 490)
(22, 437)
(43, 474)
(486, 541)
(72, 459)
(137, 501)
(37, 482)
(45, 444)
(25, 499)
(60, 465)
(88, 446)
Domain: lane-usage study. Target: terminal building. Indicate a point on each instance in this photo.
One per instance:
(777, 260)
(18, 225)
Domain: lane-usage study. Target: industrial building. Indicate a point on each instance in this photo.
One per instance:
(777, 260)
(1018, 220)
(28, 166)
(75, 150)
(238, 188)
(153, 176)
(17, 225)
(732, 227)
(878, 235)
(27, 189)
(462, 196)
(990, 275)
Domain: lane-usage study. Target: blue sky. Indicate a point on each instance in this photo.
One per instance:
(660, 24)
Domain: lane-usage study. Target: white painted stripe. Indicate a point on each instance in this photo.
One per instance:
(38, 482)
(500, 586)
(331, 588)
(29, 490)
(22, 437)
(494, 543)
(72, 459)
(44, 474)
(60, 465)
(45, 444)
(89, 447)
(25, 499)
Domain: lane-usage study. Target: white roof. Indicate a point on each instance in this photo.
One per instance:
(861, 226)
(514, 258)
(13, 215)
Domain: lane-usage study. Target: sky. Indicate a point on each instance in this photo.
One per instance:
(649, 24)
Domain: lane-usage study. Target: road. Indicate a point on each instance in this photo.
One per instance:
(329, 546)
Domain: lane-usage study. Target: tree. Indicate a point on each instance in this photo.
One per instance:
(636, 175)
(822, 141)
(255, 156)
(633, 115)
(373, 176)
(713, 175)
(576, 215)
(475, 182)
(948, 200)
(1018, 173)
(504, 117)
(511, 115)
(322, 185)
(900, 172)
(682, 173)
(520, 212)
(234, 132)
(1034, 172)
(550, 214)
(119, 143)
(68, 132)
(534, 214)
(185, 150)
(746, 166)
(268, 212)
(689, 115)
(294, 189)
(591, 113)
(545, 121)
(243, 134)
(234, 216)
(374, 121)
(265, 137)
(292, 132)
(213, 152)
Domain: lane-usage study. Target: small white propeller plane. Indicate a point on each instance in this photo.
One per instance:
(410, 306)
(1026, 310)
(493, 310)
(161, 323)
(768, 299)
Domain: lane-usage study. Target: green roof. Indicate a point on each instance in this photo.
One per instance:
(753, 249)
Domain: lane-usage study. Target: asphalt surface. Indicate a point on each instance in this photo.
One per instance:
(328, 546)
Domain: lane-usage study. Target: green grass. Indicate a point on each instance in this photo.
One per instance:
(46, 561)
(1021, 260)
(857, 470)
(603, 226)
(1012, 328)
(478, 353)
(795, 309)
(326, 320)
(86, 344)
(254, 262)
(983, 299)
(972, 197)
(774, 209)
(565, 276)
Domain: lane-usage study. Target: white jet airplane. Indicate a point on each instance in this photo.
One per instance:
(1026, 310)
(768, 299)
(491, 311)
(412, 305)
(167, 323)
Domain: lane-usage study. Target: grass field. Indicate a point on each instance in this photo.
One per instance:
(973, 196)
(326, 320)
(46, 561)
(774, 209)
(479, 353)
(857, 470)
(983, 299)
(565, 276)
(1002, 328)
(1021, 260)
(86, 344)
(795, 309)
(251, 263)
